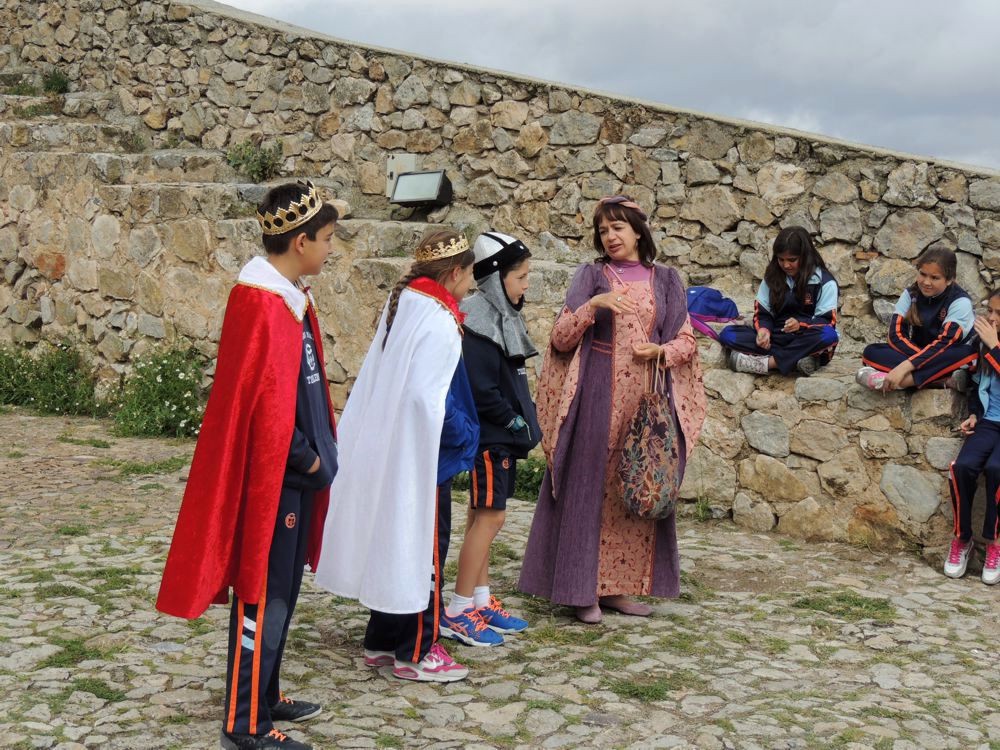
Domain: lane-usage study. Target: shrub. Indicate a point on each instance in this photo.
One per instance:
(56, 380)
(528, 481)
(259, 163)
(163, 395)
(55, 82)
(15, 376)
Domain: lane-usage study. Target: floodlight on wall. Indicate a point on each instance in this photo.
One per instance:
(418, 189)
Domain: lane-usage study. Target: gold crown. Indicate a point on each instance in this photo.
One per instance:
(440, 250)
(297, 213)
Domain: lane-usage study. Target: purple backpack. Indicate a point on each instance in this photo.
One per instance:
(706, 305)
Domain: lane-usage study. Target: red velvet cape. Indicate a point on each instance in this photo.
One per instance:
(226, 521)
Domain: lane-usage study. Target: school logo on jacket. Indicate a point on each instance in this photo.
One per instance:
(506, 463)
(943, 313)
(290, 521)
(808, 298)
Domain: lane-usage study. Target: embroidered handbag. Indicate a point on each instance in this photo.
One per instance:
(650, 467)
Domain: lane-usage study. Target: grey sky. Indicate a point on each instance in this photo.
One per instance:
(921, 76)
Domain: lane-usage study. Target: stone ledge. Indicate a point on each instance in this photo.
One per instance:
(824, 458)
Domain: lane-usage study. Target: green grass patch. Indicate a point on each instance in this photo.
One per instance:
(775, 646)
(22, 89)
(99, 688)
(73, 529)
(848, 605)
(200, 626)
(562, 635)
(40, 576)
(647, 690)
(388, 740)
(501, 552)
(110, 579)
(59, 590)
(141, 468)
(90, 442)
(693, 589)
(16, 454)
(74, 651)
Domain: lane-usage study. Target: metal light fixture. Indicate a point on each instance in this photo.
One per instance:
(419, 189)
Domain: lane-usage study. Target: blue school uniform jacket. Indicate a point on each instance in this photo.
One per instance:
(945, 320)
(818, 308)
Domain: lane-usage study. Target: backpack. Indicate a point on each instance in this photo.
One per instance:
(706, 305)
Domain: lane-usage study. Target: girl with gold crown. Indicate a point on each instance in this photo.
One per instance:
(408, 427)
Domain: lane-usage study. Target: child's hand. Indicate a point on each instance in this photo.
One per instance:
(764, 338)
(792, 325)
(987, 332)
(968, 426)
(315, 467)
(646, 351)
(895, 376)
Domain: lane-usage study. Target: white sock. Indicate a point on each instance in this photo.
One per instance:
(480, 596)
(457, 605)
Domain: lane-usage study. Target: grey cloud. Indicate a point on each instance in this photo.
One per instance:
(919, 76)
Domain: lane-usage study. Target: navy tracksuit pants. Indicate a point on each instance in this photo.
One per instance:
(257, 632)
(410, 637)
(979, 455)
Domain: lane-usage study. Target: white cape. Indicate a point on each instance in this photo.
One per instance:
(378, 541)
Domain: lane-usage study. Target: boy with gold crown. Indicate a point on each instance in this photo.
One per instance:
(258, 489)
(408, 427)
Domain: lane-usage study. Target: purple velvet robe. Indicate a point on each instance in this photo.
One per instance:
(562, 555)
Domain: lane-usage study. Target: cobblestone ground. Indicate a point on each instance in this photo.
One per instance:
(773, 644)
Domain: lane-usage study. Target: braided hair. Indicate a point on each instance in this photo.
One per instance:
(433, 269)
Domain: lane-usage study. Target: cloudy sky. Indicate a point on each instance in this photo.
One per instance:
(920, 76)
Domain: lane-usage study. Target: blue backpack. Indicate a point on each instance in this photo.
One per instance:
(706, 305)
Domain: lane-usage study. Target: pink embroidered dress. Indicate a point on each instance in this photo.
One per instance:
(583, 544)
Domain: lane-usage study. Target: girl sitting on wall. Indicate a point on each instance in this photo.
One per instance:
(795, 313)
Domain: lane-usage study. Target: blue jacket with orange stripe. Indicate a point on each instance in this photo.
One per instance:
(945, 320)
(819, 308)
(987, 377)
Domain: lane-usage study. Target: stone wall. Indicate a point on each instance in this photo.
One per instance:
(122, 226)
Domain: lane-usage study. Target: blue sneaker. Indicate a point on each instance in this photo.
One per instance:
(469, 628)
(499, 619)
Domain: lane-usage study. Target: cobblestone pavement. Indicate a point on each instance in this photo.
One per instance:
(773, 644)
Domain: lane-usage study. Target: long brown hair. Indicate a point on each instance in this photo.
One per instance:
(791, 241)
(948, 264)
(433, 269)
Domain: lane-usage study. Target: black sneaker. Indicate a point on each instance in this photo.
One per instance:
(273, 740)
(289, 710)
(807, 366)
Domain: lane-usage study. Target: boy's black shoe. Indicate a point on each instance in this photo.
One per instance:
(289, 710)
(273, 740)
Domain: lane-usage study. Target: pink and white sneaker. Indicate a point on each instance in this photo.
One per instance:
(379, 658)
(870, 378)
(437, 666)
(958, 558)
(991, 568)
